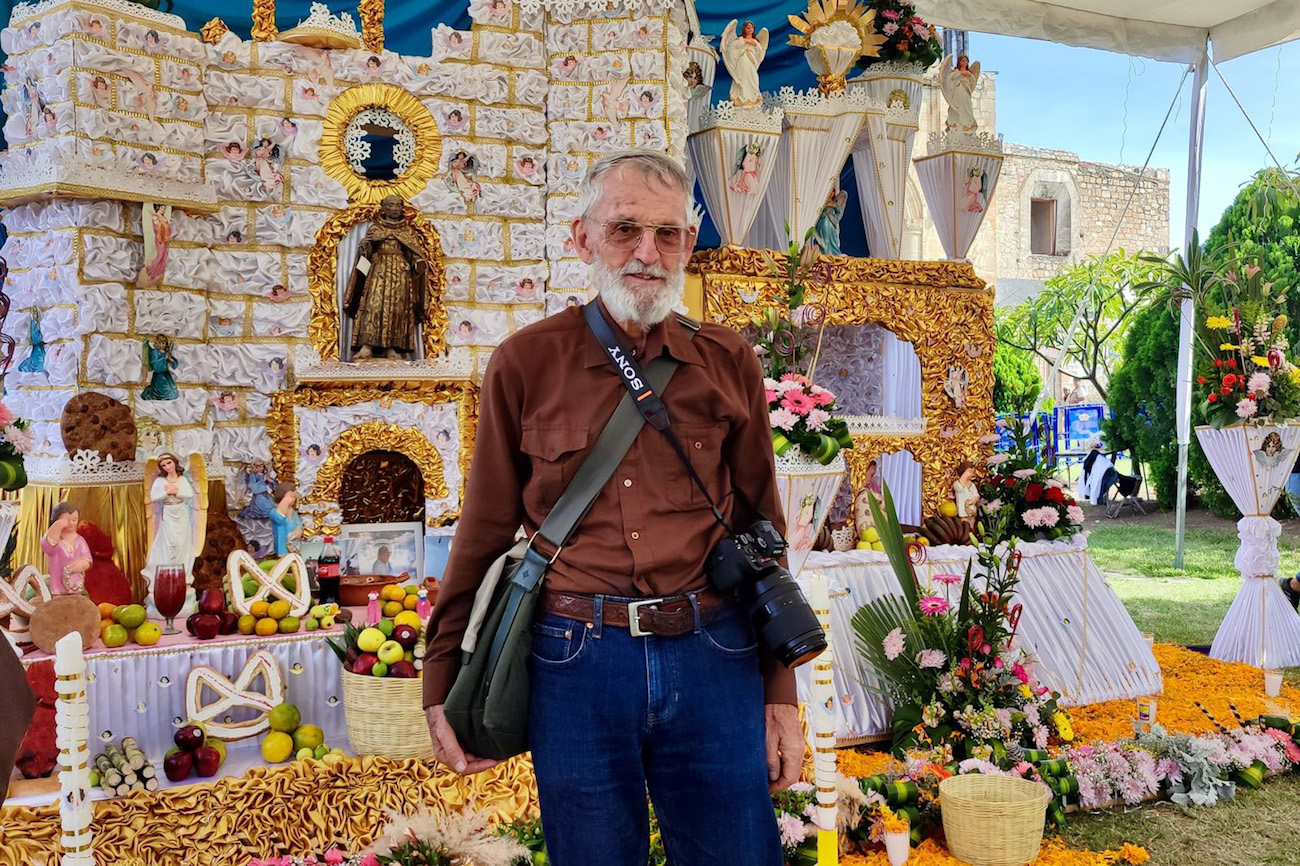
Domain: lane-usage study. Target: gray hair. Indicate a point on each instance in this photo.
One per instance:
(651, 163)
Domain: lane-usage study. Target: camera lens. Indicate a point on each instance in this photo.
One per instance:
(783, 619)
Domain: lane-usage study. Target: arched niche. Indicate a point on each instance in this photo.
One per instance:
(382, 486)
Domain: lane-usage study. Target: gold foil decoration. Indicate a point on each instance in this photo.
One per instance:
(214, 30)
(264, 29)
(282, 428)
(942, 308)
(371, 13)
(377, 436)
(333, 153)
(323, 329)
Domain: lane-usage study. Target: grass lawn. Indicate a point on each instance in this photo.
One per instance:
(1148, 549)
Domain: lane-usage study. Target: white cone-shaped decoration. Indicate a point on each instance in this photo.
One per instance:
(734, 155)
(958, 178)
(807, 489)
(1260, 628)
(818, 133)
(883, 152)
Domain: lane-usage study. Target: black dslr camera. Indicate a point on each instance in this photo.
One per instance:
(746, 564)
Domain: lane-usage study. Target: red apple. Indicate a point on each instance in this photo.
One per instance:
(229, 622)
(403, 670)
(352, 654)
(188, 737)
(178, 765)
(364, 663)
(213, 601)
(206, 761)
(189, 622)
(207, 625)
(406, 636)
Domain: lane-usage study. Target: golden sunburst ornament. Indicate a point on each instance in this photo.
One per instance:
(834, 34)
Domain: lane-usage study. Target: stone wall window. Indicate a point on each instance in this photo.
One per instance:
(1042, 227)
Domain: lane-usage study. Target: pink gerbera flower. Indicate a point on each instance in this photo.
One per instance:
(798, 402)
(948, 579)
(933, 605)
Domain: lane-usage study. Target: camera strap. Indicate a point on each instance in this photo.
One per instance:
(644, 397)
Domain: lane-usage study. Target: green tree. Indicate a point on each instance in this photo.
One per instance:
(1015, 378)
(1106, 289)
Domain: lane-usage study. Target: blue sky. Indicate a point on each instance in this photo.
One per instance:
(1074, 99)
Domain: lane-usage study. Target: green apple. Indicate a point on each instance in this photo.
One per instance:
(379, 670)
(390, 651)
(321, 751)
(386, 626)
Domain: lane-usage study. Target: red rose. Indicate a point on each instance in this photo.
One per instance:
(1009, 481)
(1034, 492)
(1213, 398)
(1250, 394)
(1218, 363)
(1226, 390)
(1200, 380)
(1232, 363)
(1054, 494)
(1229, 380)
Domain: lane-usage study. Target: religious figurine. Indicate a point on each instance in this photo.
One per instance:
(35, 360)
(748, 162)
(386, 293)
(973, 201)
(286, 525)
(801, 535)
(177, 508)
(373, 611)
(156, 228)
(258, 482)
(871, 489)
(965, 494)
(742, 55)
(958, 81)
(160, 360)
(68, 552)
(827, 231)
(956, 384)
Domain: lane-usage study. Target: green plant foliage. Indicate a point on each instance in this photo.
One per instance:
(1015, 378)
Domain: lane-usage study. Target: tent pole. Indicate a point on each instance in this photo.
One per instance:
(1186, 307)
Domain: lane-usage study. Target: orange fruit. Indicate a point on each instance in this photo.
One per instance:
(266, 627)
(258, 608)
(247, 623)
(393, 608)
(105, 625)
(279, 609)
(410, 601)
(106, 609)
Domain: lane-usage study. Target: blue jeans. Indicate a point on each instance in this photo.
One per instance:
(613, 716)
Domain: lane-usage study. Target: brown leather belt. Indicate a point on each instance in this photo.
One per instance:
(669, 616)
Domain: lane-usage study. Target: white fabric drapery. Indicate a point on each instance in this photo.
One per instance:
(957, 209)
(1085, 641)
(903, 475)
(902, 371)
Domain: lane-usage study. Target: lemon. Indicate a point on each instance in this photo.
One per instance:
(870, 535)
(147, 634)
(308, 737)
(393, 608)
(410, 602)
(247, 623)
(948, 509)
(407, 617)
(370, 640)
(114, 636)
(289, 625)
(876, 545)
(265, 627)
(278, 610)
(277, 747)
(284, 717)
(259, 608)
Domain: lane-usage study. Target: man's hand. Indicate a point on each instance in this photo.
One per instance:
(785, 745)
(447, 749)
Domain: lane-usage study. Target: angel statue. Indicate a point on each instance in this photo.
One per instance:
(958, 81)
(387, 291)
(742, 55)
(177, 509)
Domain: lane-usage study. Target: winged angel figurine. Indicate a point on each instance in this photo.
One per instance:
(741, 55)
(177, 507)
(958, 81)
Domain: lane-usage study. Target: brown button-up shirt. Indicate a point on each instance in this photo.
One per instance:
(546, 396)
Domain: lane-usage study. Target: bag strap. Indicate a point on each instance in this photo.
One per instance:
(646, 398)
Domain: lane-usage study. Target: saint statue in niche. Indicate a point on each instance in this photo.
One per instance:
(388, 289)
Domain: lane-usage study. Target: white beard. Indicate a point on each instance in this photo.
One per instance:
(645, 308)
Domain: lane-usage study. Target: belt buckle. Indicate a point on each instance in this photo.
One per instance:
(634, 616)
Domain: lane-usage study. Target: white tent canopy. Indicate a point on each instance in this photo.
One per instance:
(1174, 30)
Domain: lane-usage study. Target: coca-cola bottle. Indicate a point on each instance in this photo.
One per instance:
(327, 572)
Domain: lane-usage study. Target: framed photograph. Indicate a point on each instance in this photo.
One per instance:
(386, 549)
(437, 548)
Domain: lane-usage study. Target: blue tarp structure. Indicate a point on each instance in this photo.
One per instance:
(407, 26)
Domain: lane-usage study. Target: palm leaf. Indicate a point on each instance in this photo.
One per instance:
(871, 624)
(891, 538)
(963, 612)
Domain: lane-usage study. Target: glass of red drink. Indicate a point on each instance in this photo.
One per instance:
(169, 591)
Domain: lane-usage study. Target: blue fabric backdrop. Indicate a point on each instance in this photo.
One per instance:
(407, 26)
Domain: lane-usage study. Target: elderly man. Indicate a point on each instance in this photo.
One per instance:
(688, 714)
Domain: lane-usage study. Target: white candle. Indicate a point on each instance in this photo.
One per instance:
(822, 720)
(1272, 683)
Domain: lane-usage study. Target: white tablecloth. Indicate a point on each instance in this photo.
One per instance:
(1087, 645)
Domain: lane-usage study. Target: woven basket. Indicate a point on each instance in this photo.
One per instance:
(385, 716)
(993, 820)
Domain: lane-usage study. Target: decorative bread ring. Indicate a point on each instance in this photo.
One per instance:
(240, 565)
(12, 601)
(235, 695)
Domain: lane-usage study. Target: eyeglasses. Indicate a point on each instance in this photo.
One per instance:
(625, 235)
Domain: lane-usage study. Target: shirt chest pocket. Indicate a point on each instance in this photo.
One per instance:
(555, 454)
(703, 446)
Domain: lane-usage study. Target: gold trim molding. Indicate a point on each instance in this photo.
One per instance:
(371, 13)
(346, 106)
(282, 427)
(322, 275)
(942, 308)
